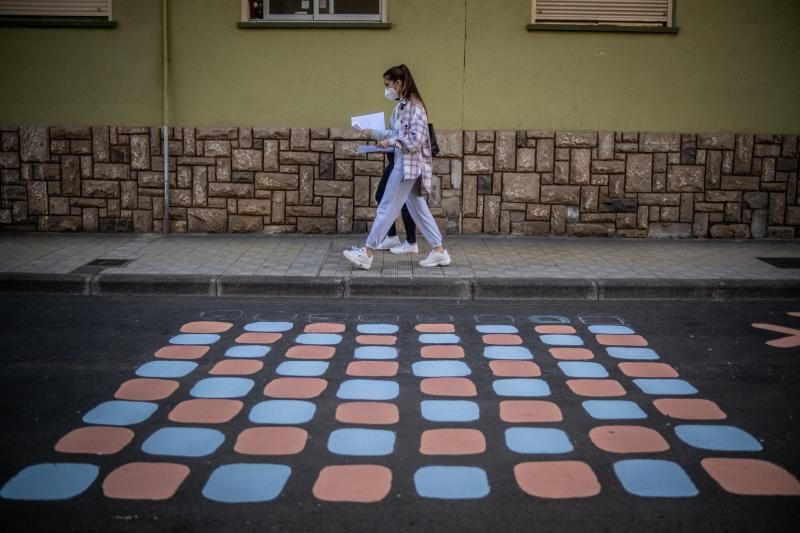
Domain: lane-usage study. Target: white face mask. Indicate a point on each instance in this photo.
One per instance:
(390, 93)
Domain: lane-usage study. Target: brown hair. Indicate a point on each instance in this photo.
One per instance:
(401, 72)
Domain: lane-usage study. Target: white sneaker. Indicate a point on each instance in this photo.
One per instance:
(405, 248)
(358, 256)
(388, 243)
(436, 259)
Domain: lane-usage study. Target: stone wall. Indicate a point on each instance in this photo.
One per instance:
(627, 184)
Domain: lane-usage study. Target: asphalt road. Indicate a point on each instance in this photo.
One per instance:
(64, 355)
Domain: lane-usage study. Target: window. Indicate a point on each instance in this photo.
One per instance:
(316, 10)
(56, 9)
(653, 13)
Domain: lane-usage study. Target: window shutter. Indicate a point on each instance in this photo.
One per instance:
(56, 8)
(603, 11)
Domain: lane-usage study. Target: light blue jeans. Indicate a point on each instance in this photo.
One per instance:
(398, 192)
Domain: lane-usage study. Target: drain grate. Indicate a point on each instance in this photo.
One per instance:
(781, 262)
(109, 262)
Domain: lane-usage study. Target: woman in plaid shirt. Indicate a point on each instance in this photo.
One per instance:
(413, 169)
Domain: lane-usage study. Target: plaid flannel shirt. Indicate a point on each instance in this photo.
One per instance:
(410, 133)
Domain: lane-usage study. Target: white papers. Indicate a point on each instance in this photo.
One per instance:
(364, 149)
(374, 121)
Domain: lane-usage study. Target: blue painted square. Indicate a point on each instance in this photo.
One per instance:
(718, 438)
(633, 354)
(183, 442)
(375, 352)
(665, 386)
(654, 478)
(361, 442)
(439, 338)
(302, 368)
(507, 352)
(222, 388)
(319, 338)
(50, 481)
(165, 369)
(432, 369)
(451, 482)
(120, 413)
(562, 340)
(524, 387)
(579, 369)
(269, 327)
(377, 329)
(194, 338)
(246, 482)
(368, 389)
(450, 410)
(613, 409)
(537, 440)
(496, 328)
(282, 412)
(248, 351)
(610, 330)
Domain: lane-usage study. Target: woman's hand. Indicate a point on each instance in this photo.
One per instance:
(386, 143)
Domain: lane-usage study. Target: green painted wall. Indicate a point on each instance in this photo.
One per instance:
(732, 67)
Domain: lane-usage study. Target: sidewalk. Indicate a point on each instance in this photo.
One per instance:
(483, 267)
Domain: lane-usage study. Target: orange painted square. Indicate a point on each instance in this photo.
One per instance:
(554, 330)
(372, 369)
(571, 354)
(271, 441)
(515, 411)
(621, 340)
(145, 481)
(353, 483)
(258, 338)
(203, 326)
(452, 442)
(381, 340)
(146, 389)
(442, 351)
(296, 388)
(448, 387)
(510, 369)
(205, 411)
(435, 328)
(236, 367)
(324, 327)
(689, 409)
(601, 388)
(648, 370)
(367, 413)
(182, 352)
(99, 440)
(502, 339)
(557, 479)
(751, 477)
(310, 352)
(628, 439)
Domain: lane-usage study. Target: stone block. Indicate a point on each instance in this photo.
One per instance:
(659, 142)
(579, 164)
(686, 178)
(530, 228)
(333, 188)
(520, 187)
(608, 167)
(669, 230)
(474, 164)
(229, 133)
(639, 173)
(560, 194)
(34, 143)
(451, 143)
(505, 150)
(271, 180)
(245, 224)
(591, 230)
(207, 220)
(740, 183)
(716, 141)
(246, 159)
(576, 139)
(100, 189)
(729, 231)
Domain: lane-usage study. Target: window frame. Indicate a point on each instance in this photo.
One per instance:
(668, 26)
(54, 16)
(315, 17)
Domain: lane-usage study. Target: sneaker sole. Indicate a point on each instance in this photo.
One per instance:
(356, 263)
(439, 263)
(404, 253)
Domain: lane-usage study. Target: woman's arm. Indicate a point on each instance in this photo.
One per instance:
(414, 135)
(379, 135)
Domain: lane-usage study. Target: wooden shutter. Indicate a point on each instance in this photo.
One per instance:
(55, 8)
(651, 12)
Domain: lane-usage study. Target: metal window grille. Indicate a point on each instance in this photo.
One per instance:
(315, 10)
(619, 12)
(56, 8)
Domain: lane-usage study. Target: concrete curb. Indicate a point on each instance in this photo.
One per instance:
(179, 284)
(534, 289)
(230, 285)
(418, 288)
(437, 288)
(44, 283)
